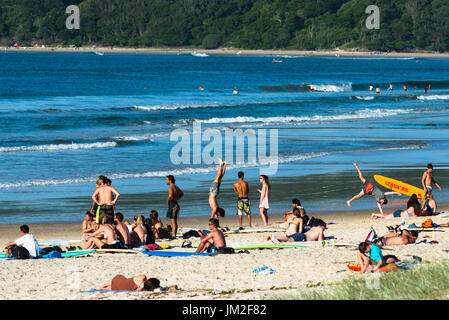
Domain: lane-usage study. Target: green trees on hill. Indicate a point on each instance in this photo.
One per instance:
(405, 25)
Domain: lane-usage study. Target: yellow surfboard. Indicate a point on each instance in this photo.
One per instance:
(399, 186)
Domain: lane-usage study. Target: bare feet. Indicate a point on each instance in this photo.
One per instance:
(348, 203)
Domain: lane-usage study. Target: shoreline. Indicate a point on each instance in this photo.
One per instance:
(231, 52)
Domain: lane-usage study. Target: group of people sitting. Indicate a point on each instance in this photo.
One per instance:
(113, 232)
(414, 208)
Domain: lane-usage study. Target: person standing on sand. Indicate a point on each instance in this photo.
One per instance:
(427, 179)
(174, 194)
(104, 198)
(370, 189)
(214, 190)
(243, 206)
(264, 199)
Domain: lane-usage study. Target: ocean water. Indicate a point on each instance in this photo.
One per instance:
(66, 118)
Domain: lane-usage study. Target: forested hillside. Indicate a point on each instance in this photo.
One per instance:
(405, 25)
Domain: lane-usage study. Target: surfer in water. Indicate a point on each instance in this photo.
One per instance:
(370, 189)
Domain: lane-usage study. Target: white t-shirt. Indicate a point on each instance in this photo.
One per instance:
(29, 242)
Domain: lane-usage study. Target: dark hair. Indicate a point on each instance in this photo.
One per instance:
(240, 174)
(296, 201)
(24, 228)
(429, 166)
(221, 212)
(363, 246)
(319, 222)
(385, 200)
(151, 284)
(414, 233)
(154, 215)
(214, 222)
(265, 178)
(119, 216)
(88, 213)
(171, 178)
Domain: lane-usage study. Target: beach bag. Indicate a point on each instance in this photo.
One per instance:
(191, 233)
(47, 250)
(163, 234)
(427, 224)
(227, 250)
(19, 252)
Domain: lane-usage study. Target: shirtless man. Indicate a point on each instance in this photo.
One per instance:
(394, 239)
(104, 238)
(215, 240)
(427, 179)
(370, 189)
(243, 207)
(314, 234)
(122, 231)
(215, 190)
(174, 194)
(104, 197)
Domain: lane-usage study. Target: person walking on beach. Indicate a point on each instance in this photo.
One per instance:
(214, 190)
(243, 206)
(174, 194)
(264, 198)
(427, 179)
(370, 189)
(104, 198)
(24, 247)
(214, 241)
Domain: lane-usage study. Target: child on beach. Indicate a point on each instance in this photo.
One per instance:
(264, 199)
(370, 189)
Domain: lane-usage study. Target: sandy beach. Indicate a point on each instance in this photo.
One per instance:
(219, 277)
(232, 51)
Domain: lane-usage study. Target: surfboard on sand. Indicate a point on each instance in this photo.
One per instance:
(160, 253)
(66, 254)
(117, 251)
(399, 186)
(255, 229)
(269, 246)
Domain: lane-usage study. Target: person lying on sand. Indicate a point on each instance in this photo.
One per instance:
(370, 189)
(314, 234)
(395, 238)
(375, 260)
(215, 240)
(413, 210)
(136, 283)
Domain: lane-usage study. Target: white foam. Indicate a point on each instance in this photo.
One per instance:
(59, 147)
(434, 97)
(366, 98)
(160, 173)
(361, 114)
(142, 137)
(199, 54)
(333, 87)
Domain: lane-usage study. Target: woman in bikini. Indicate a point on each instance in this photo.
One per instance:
(139, 232)
(214, 190)
(104, 238)
(429, 206)
(413, 210)
(88, 226)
